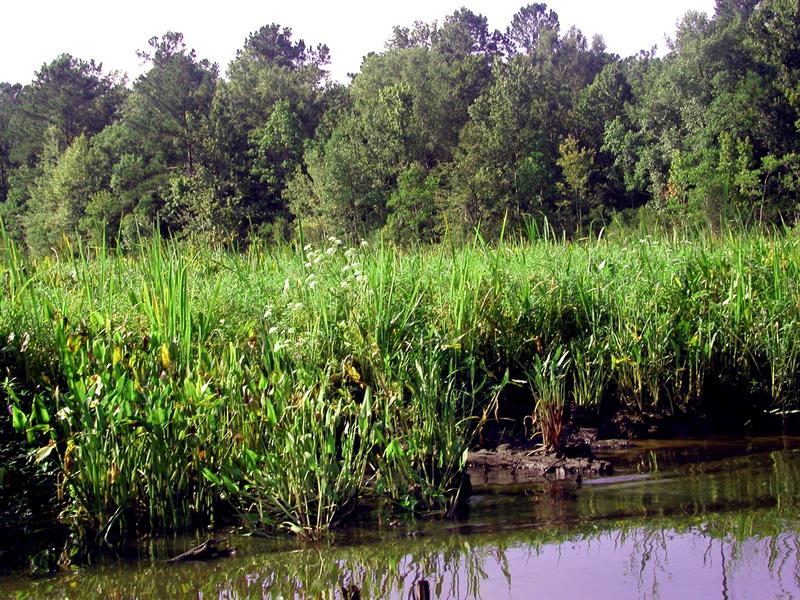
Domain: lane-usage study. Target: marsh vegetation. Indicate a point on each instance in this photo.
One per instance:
(286, 387)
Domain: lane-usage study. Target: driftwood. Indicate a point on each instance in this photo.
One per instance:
(208, 550)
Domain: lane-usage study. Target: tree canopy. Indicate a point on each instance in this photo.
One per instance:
(454, 126)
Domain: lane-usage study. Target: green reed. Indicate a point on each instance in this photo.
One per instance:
(180, 385)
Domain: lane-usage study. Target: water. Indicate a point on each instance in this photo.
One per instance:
(688, 519)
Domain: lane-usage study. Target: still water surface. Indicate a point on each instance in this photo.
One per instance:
(685, 519)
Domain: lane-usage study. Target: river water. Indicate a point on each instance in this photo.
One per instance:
(682, 519)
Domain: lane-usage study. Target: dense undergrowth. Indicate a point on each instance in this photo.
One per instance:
(182, 385)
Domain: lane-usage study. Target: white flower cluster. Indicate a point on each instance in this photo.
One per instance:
(352, 270)
(316, 257)
(318, 260)
(321, 268)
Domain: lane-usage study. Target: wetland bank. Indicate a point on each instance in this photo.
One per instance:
(302, 389)
(542, 246)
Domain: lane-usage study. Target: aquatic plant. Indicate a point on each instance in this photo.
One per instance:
(178, 384)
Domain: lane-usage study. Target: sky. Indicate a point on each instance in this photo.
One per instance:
(34, 32)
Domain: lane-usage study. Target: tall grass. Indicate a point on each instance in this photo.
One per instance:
(178, 384)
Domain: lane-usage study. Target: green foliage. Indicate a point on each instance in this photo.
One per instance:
(278, 147)
(176, 387)
(68, 97)
(577, 165)
(707, 123)
(510, 127)
(9, 97)
(776, 36)
(60, 196)
(412, 217)
(348, 180)
(192, 208)
(170, 103)
(170, 384)
(274, 97)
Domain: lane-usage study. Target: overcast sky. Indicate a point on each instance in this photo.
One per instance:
(33, 32)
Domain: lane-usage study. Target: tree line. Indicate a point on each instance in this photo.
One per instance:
(452, 128)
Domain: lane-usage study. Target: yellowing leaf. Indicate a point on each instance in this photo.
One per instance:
(354, 374)
(113, 473)
(117, 356)
(73, 343)
(166, 360)
(44, 451)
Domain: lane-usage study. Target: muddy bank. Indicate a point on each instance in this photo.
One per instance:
(523, 462)
(507, 455)
(509, 465)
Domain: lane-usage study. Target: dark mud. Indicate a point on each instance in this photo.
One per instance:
(506, 464)
(520, 461)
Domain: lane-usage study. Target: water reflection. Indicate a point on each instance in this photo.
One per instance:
(727, 528)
